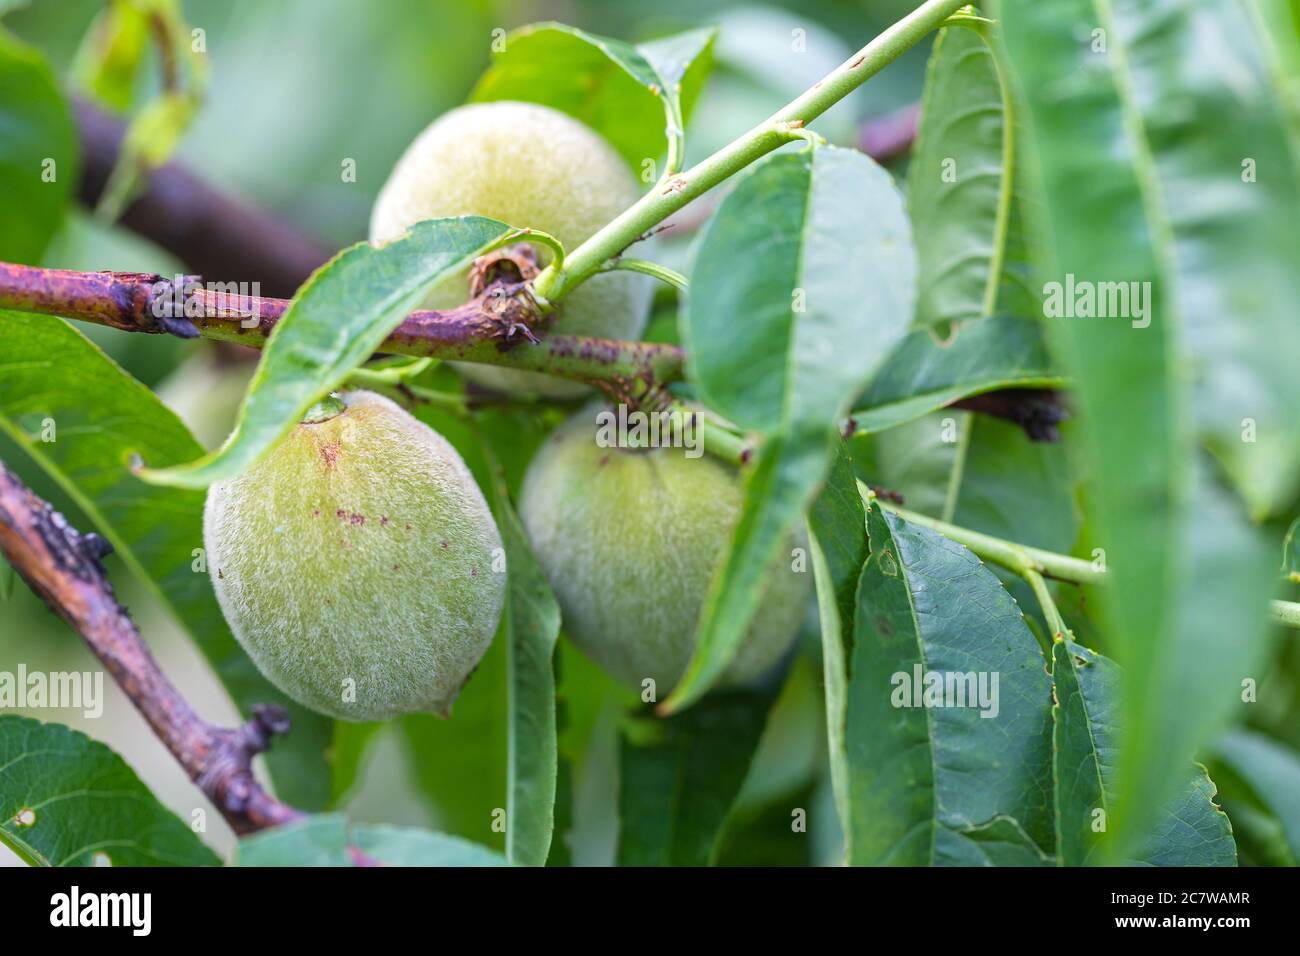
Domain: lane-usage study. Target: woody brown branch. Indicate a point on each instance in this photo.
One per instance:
(63, 567)
(487, 329)
(495, 328)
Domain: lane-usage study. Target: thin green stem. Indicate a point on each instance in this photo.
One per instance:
(1286, 612)
(646, 267)
(958, 469)
(537, 237)
(717, 439)
(1050, 611)
(1014, 557)
(675, 191)
(448, 400)
(1035, 564)
(724, 444)
(411, 395)
(675, 130)
(390, 374)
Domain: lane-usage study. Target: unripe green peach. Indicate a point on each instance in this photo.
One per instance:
(526, 165)
(629, 539)
(355, 563)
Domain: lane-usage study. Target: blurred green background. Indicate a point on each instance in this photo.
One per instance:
(297, 87)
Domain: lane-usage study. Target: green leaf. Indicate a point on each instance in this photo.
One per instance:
(347, 753)
(637, 97)
(960, 179)
(67, 800)
(837, 532)
(1137, 193)
(977, 306)
(1272, 772)
(111, 53)
(38, 152)
(763, 835)
(924, 373)
(965, 204)
(1278, 24)
(154, 133)
(408, 846)
(81, 418)
(531, 626)
(326, 839)
(809, 251)
(827, 259)
(320, 840)
(838, 521)
(461, 764)
(1189, 830)
(944, 785)
(334, 323)
(1291, 552)
(679, 776)
(1014, 488)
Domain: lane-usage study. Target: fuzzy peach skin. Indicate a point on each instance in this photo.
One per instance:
(629, 539)
(526, 165)
(355, 564)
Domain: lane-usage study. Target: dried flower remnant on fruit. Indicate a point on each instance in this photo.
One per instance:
(532, 167)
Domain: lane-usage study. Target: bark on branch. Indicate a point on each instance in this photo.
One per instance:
(62, 565)
(485, 330)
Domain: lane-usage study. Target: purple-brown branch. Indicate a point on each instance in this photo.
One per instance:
(1036, 410)
(492, 328)
(495, 327)
(889, 137)
(216, 234)
(63, 566)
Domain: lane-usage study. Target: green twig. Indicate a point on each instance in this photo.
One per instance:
(1035, 563)
(1286, 612)
(718, 439)
(673, 192)
(397, 374)
(646, 267)
(1050, 611)
(1014, 557)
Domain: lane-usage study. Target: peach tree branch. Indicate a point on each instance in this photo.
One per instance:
(625, 371)
(62, 566)
(1035, 564)
(147, 302)
(675, 191)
